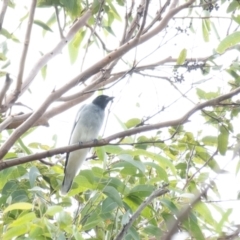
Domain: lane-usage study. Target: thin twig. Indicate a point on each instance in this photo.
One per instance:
(204, 165)
(157, 193)
(46, 163)
(134, 23)
(25, 48)
(145, 13)
(58, 23)
(6, 86)
(92, 32)
(98, 37)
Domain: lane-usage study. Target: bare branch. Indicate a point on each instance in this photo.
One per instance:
(145, 12)
(135, 22)
(25, 49)
(234, 235)
(48, 56)
(46, 163)
(7, 83)
(58, 22)
(85, 74)
(158, 16)
(6, 122)
(107, 140)
(98, 37)
(157, 193)
(3, 11)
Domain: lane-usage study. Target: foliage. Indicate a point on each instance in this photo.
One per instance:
(164, 64)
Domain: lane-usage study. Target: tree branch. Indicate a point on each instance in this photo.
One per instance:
(107, 140)
(155, 194)
(183, 214)
(58, 22)
(25, 49)
(7, 83)
(48, 56)
(85, 74)
(3, 11)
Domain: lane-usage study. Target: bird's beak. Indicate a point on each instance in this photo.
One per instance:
(110, 98)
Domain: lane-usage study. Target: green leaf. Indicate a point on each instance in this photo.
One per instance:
(234, 5)
(23, 146)
(43, 25)
(236, 19)
(129, 159)
(15, 232)
(210, 140)
(182, 56)
(206, 29)
(83, 185)
(192, 226)
(163, 162)
(223, 140)
(170, 205)
(228, 42)
(100, 151)
(64, 219)
(2, 57)
(205, 213)
(114, 11)
(26, 218)
(108, 205)
(52, 210)
(142, 190)
(132, 234)
(20, 205)
(44, 72)
(160, 171)
(223, 220)
(109, 29)
(91, 222)
(113, 194)
(8, 35)
(153, 231)
(132, 122)
(113, 149)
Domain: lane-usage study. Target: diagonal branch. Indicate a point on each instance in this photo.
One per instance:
(7, 83)
(183, 214)
(25, 49)
(3, 11)
(58, 22)
(157, 193)
(86, 74)
(107, 140)
(48, 56)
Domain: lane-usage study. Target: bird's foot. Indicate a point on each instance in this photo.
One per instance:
(80, 143)
(95, 140)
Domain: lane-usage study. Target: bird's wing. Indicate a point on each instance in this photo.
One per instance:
(74, 125)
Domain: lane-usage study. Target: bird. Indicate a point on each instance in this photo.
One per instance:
(87, 125)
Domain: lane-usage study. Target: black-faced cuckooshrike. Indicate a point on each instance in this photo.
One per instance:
(86, 127)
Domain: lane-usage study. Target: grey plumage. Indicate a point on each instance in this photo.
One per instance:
(86, 127)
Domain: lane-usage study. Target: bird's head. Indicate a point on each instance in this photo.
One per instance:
(102, 101)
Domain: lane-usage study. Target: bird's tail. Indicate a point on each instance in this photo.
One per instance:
(66, 185)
